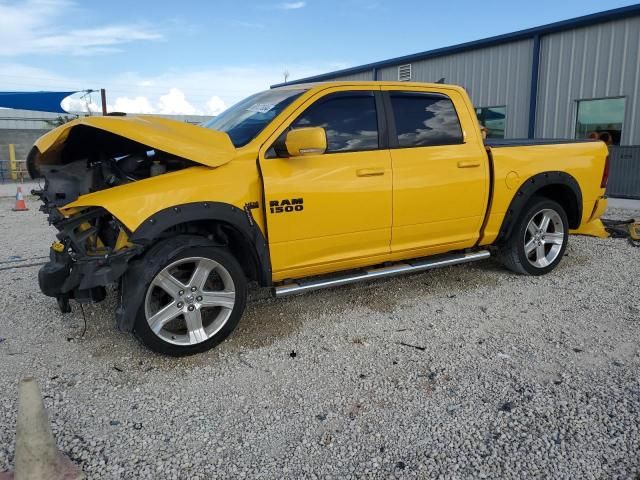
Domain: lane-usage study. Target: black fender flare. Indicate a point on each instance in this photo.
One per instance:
(151, 229)
(528, 189)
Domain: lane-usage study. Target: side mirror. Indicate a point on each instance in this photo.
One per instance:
(306, 141)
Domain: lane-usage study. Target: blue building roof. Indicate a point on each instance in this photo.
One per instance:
(586, 20)
(38, 101)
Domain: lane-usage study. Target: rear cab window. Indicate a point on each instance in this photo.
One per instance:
(423, 119)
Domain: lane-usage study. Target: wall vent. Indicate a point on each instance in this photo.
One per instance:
(404, 72)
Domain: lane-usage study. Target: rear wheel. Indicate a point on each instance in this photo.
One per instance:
(192, 302)
(538, 241)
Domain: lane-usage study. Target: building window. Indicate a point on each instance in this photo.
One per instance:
(493, 119)
(425, 119)
(601, 119)
(404, 72)
(349, 120)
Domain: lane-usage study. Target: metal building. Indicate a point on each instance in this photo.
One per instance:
(577, 78)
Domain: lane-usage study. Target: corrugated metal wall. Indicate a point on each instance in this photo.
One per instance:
(494, 76)
(624, 176)
(592, 62)
(365, 76)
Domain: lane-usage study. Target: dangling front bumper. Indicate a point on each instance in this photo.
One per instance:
(82, 278)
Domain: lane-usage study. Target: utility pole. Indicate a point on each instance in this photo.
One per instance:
(103, 97)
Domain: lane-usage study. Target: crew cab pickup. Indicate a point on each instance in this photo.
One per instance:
(297, 188)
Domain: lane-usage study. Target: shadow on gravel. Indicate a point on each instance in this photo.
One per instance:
(267, 321)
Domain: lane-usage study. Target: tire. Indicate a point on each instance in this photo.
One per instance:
(193, 299)
(532, 249)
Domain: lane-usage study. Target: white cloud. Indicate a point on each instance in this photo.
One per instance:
(175, 103)
(132, 105)
(244, 24)
(90, 41)
(35, 27)
(198, 87)
(215, 106)
(203, 90)
(291, 5)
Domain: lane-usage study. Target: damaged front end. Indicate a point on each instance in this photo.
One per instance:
(94, 154)
(92, 252)
(81, 162)
(89, 160)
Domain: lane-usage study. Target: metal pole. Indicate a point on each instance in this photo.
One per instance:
(12, 162)
(533, 95)
(103, 97)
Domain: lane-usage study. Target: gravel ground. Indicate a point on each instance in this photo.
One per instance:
(468, 371)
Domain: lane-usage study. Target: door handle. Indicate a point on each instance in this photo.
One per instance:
(471, 164)
(369, 172)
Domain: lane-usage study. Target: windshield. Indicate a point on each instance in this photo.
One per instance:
(248, 118)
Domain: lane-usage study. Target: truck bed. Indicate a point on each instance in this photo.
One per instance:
(583, 160)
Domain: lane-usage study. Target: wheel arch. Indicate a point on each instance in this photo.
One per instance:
(225, 224)
(558, 186)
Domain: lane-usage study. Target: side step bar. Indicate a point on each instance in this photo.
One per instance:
(382, 272)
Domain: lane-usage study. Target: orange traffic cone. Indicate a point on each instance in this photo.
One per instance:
(20, 205)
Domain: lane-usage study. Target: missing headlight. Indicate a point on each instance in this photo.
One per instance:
(93, 231)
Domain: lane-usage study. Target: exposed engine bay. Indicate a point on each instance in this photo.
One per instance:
(80, 162)
(91, 160)
(93, 247)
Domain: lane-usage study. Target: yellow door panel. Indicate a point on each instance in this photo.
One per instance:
(296, 254)
(332, 208)
(440, 171)
(344, 215)
(435, 201)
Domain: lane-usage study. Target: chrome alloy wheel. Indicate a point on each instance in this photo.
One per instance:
(543, 238)
(189, 301)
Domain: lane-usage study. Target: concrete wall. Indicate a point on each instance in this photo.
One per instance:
(22, 139)
(15, 119)
(592, 62)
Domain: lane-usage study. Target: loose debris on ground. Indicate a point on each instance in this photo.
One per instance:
(463, 372)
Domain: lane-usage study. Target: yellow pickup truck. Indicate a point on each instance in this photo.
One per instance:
(297, 188)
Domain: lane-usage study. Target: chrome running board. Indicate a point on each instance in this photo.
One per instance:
(397, 269)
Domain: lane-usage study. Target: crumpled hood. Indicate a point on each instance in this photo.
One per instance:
(201, 145)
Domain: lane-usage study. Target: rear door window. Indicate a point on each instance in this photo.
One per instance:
(423, 120)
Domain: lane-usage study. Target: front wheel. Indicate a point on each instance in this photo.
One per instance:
(539, 238)
(192, 302)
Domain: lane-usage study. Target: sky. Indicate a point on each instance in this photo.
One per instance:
(200, 57)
